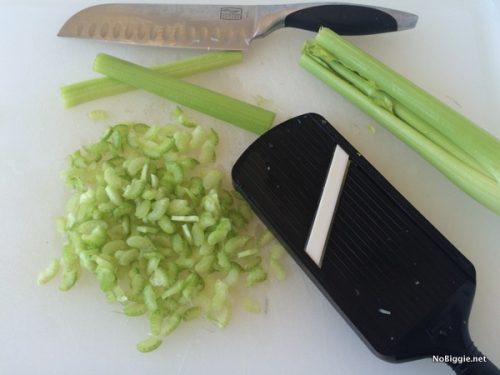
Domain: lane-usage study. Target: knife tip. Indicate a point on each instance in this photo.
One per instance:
(65, 30)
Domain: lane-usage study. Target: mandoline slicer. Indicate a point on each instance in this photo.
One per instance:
(403, 287)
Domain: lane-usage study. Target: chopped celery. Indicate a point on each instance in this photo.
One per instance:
(171, 324)
(182, 118)
(277, 251)
(265, 237)
(204, 265)
(233, 111)
(140, 242)
(207, 153)
(173, 290)
(135, 309)
(247, 253)
(150, 297)
(192, 313)
(166, 225)
(232, 276)
(220, 296)
(221, 317)
(198, 234)
(159, 209)
(256, 275)
(223, 261)
(146, 229)
(155, 321)
(463, 152)
(158, 233)
(81, 92)
(49, 273)
(191, 219)
(114, 195)
(179, 207)
(206, 249)
(277, 269)
(251, 305)
(212, 179)
(187, 233)
(199, 136)
(148, 345)
(182, 140)
(125, 257)
(97, 115)
(251, 262)
(68, 280)
(235, 243)
(134, 189)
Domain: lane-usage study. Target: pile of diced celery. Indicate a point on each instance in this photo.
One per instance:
(151, 219)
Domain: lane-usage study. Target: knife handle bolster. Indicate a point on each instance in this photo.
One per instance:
(343, 19)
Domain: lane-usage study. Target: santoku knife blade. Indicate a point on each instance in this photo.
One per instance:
(224, 27)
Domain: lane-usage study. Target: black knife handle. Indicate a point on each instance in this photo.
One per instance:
(343, 19)
(486, 367)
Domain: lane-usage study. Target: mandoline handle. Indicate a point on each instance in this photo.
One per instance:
(343, 19)
(477, 368)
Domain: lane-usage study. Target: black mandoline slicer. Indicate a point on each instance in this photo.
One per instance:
(403, 287)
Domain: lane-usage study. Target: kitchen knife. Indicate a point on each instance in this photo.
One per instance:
(224, 27)
(403, 287)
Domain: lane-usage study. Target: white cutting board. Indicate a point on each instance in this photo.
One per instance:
(453, 53)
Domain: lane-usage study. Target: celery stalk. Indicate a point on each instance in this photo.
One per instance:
(478, 143)
(466, 154)
(244, 115)
(85, 91)
(382, 99)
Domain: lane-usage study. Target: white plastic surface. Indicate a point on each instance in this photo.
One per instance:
(453, 53)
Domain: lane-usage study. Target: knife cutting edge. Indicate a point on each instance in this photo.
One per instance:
(225, 27)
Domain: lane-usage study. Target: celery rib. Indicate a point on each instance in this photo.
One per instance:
(478, 143)
(466, 154)
(384, 100)
(233, 111)
(85, 91)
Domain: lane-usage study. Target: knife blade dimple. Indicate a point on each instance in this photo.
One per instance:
(117, 29)
(91, 30)
(181, 34)
(156, 32)
(193, 34)
(139, 32)
(204, 33)
(104, 30)
(79, 29)
(129, 32)
(216, 35)
(168, 35)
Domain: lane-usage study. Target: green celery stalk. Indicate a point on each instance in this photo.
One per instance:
(236, 112)
(478, 143)
(85, 91)
(473, 168)
(385, 101)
